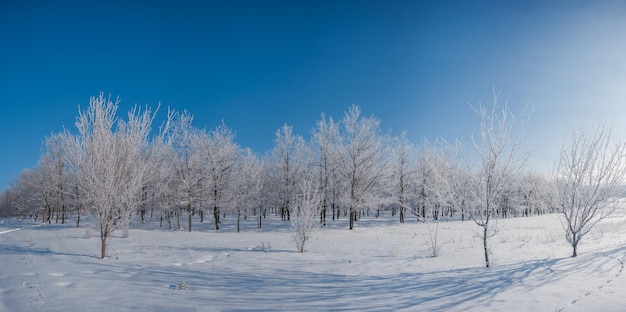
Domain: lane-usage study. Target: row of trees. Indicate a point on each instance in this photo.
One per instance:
(115, 169)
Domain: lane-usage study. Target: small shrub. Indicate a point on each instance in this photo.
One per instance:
(180, 286)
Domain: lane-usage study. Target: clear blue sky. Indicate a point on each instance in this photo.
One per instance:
(260, 64)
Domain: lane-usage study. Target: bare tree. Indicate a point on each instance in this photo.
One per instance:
(590, 170)
(499, 159)
(109, 160)
(304, 214)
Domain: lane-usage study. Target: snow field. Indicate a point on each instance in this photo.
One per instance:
(380, 266)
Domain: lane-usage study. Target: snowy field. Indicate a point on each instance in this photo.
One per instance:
(380, 266)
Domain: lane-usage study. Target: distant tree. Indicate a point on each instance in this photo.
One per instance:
(266, 198)
(304, 213)
(443, 188)
(221, 154)
(324, 140)
(531, 194)
(246, 184)
(26, 194)
(362, 162)
(5, 203)
(588, 174)
(49, 187)
(288, 160)
(54, 177)
(404, 173)
(440, 183)
(499, 159)
(160, 189)
(109, 161)
(188, 161)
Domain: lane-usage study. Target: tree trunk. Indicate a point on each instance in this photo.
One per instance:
(575, 241)
(189, 214)
(352, 218)
(487, 264)
(238, 219)
(103, 251)
(62, 209)
(216, 216)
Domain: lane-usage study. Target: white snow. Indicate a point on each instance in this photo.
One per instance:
(380, 266)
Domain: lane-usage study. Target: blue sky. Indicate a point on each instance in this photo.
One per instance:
(260, 64)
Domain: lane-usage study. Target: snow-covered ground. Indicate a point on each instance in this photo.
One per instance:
(380, 266)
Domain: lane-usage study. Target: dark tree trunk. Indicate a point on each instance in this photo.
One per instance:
(189, 214)
(352, 218)
(238, 220)
(216, 216)
(103, 250)
(487, 264)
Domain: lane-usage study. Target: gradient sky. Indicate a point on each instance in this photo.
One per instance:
(260, 64)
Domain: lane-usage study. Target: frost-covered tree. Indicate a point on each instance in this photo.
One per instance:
(404, 174)
(54, 177)
(439, 183)
(362, 161)
(499, 159)
(288, 162)
(108, 157)
(588, 174)
(76, 193)
(324, 140)
(26, 194)
(221, 154)
(188, 161)
(304, 213)
(159, 190)
(246, 184)
(265, 196)
(536, 194)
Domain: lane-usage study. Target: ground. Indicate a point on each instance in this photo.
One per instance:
(380, 266)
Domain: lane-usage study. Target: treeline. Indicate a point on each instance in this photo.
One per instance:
(177, 174)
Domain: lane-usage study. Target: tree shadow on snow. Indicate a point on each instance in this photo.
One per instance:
(13, 249)
(440, 290)
(253, 288)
